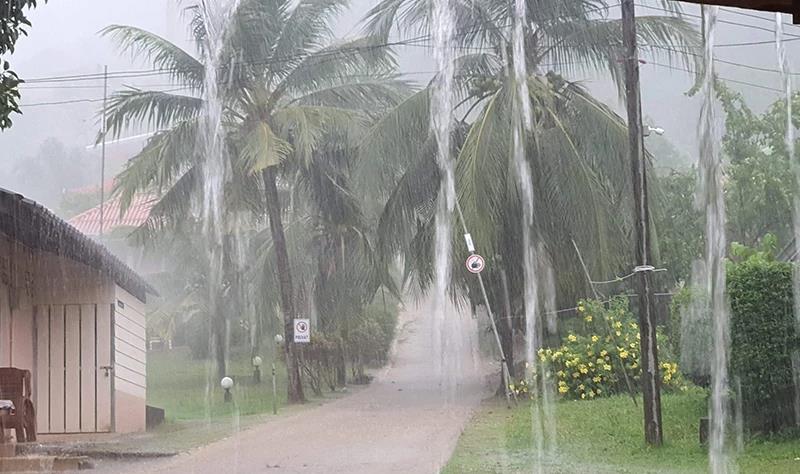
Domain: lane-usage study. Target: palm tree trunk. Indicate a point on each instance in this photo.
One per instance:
(295, 386)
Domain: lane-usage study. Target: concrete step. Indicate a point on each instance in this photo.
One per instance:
(44, 463)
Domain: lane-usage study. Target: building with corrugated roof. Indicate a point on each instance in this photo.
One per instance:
(72, 313)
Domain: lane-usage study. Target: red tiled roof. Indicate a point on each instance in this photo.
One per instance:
(88, 222)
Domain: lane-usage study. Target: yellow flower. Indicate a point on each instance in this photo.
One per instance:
(583, 395)
(623, 354)
(618, 333)
(599, 361)
(603, 353)
(581, 308)
(584, 370)
(575, 375)
(597, 379)
(572, 338)
(581, 387)
(591, 394)
(599, 391)
(588, 318)
(595, 338)
(563, 389)
(617, 325)
(607, 367)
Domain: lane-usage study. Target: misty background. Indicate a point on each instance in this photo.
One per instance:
(50, 149)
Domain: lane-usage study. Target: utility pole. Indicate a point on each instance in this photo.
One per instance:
(103, 152)
(651, 384)
(504, 366)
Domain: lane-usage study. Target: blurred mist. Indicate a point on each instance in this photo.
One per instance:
(65, 41)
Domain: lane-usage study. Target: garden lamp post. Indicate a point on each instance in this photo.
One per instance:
(227, 385)
(257, 371)
(278, 341)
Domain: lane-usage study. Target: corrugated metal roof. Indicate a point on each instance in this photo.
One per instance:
(88, 222)
(36, 227)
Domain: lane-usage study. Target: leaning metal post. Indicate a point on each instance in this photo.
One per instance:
(506, 373)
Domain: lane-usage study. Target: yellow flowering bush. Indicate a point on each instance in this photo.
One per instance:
(595, 360)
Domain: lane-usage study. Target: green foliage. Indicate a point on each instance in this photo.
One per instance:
(689, 330)
(763, 340)
(13, 24)
(603, 358)
(679, 226)
(759, 189)
(765, 251)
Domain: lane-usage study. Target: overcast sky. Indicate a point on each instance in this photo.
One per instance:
(64, 41)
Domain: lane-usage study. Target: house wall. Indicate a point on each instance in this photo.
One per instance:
(55, 292)
(130, 363)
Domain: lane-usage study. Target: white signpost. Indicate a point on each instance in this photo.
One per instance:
(475, 263)
(302, 330)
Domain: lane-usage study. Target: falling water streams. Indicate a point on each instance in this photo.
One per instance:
(534, 261)
(786, 83)
(710, 198)
(441, 109)
(216, 15)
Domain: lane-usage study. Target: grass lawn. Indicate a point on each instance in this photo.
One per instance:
(606, 435)
(177, 383)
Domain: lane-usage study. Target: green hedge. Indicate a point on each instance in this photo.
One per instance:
(762, 341)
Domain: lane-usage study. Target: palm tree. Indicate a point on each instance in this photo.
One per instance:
(285, 85)
(576, 149)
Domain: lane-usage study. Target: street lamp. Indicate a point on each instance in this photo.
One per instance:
(257, 371)
(657, 130)
(227, 385)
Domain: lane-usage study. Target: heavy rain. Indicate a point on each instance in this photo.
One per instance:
(399, 236)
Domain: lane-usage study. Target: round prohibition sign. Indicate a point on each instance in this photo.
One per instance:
(475, 263)
(301, 327)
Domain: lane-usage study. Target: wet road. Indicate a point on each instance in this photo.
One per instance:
(405, 421)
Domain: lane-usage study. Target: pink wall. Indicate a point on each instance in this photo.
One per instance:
(31, 280)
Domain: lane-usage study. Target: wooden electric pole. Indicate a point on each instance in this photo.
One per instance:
(651, 384)
(103, 153)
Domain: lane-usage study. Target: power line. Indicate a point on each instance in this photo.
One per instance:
(723, 79)
(721, 61)
(727, 22)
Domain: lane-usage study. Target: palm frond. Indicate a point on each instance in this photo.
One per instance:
(182, 66)
(393, 144)
(337, 63)
(262, 148)
(306, 125)
(579, 47)
(164, 157)
(155, 109)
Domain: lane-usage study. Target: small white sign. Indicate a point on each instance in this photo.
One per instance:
(475, 263)
(302, 330)
(470, 244)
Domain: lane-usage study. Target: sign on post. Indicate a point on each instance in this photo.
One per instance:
(475, 263)
(302, 330)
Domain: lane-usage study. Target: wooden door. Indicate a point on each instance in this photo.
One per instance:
(73, 383)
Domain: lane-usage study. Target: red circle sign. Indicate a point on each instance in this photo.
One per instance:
(301, 327)
(475, 263)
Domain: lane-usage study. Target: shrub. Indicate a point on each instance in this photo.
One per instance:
(763, 339)
(604, 358)
(689, 330)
